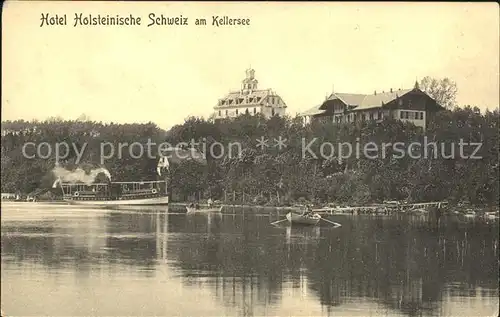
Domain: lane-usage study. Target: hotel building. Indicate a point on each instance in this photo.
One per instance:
(250, 100)
(412, 105)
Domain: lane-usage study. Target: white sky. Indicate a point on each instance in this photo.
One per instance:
(300, 50)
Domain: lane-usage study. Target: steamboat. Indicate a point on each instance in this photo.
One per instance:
(136, 193)
(141, 193)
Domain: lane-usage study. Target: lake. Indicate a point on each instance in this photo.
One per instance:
(60, 260)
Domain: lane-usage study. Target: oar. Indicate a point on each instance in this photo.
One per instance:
(276, 222)
(333, 223)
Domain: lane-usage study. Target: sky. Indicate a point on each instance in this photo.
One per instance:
(303, 51)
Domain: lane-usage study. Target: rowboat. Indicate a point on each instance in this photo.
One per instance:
(192, 210)
(303, 219)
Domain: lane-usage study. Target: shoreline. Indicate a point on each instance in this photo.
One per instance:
(181, 204)
(319, 209)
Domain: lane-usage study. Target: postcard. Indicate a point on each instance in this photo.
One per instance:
(249, 159)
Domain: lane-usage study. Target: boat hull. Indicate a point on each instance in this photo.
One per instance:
(203, 210)
(156, 201)
(469, 216)
(303, 220)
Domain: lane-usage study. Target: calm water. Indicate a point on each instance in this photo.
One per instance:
(72, 261)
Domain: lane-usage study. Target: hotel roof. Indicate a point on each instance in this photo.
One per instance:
(255, 97)
(361, 101)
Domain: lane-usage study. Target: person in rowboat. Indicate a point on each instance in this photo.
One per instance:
(308, 212)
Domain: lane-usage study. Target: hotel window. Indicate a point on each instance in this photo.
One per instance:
(246, 111)
(402, 114)
(421, 116)
(272, 111)
(380, 115)
(254, 110)
(219, 113)
(236, 111)
(363, 117)
(371, 115)
(226, 113)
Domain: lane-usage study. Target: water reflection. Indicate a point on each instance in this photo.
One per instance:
(369, 266)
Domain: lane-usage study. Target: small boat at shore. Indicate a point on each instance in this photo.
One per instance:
(470, 214)
(303, 219)
(193, 210)
(491, 215)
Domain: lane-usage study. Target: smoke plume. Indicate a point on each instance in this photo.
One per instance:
(79, 175)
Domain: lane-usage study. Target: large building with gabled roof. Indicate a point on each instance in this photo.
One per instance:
(412, 105)
(250, 100)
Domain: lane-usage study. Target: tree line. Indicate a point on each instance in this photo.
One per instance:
(274, 175)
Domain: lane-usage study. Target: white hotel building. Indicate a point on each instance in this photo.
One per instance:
(250, 100)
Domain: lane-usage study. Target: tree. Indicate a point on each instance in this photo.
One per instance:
(444, 91)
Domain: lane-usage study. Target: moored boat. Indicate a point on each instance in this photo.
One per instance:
(491, 215)
(470, 214)
(419, 211)
(141, 193)
(193, 210)
(303, 219)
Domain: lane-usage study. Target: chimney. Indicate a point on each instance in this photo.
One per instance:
(375, 92)
(391, 89)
